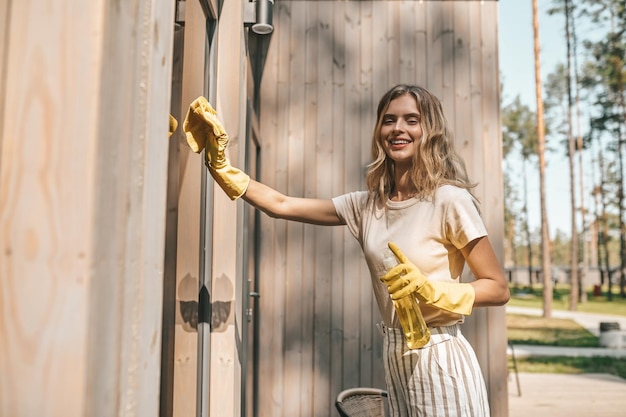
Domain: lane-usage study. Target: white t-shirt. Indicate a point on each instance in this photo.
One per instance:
(429, 233)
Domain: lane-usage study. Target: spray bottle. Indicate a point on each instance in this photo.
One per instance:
(407, 308)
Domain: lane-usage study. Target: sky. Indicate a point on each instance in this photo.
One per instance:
(518, 78)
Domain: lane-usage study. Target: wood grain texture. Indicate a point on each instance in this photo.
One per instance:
(82, 206)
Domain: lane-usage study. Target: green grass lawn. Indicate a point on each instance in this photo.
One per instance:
(568, 365)
(535, 330)
(524, 297)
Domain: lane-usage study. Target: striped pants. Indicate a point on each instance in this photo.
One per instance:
(441, 379)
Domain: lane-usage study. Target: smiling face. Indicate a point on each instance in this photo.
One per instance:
(401, 130)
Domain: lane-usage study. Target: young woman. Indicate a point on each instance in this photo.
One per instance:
(419, 204)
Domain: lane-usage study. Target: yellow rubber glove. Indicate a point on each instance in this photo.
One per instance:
(203, 129)
(406, 278)
(173, 125)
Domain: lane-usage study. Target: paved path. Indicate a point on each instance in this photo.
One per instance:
(568, 395)
(525, 351)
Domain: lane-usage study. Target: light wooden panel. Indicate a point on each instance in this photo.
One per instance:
(310, 102)
(310, 170)
(294, 371)
(328, 65)
(227, 258)
(171, 237)
(45, 208)
(322, 177)
(5, 11)
(129, 214)
(494, 206)
(181, 388)
(272, 267)
(82, 206)
(352, 166)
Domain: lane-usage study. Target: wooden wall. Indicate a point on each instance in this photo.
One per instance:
(202, 362)
(328, 65)
(83, 146)
(183, 274)
(227, 286)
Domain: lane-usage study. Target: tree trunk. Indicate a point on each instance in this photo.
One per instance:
(529, 244)
(604, 226)
(620, 191)
(622, 225)
(574, 284)
(511, 239)
(579, 148)
(545, 235)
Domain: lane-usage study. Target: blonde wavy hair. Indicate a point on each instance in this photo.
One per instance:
(436, 161)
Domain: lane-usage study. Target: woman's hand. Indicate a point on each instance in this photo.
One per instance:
(406, 279)
(203, 129)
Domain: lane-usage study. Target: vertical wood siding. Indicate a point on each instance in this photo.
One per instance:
(179, 374)
(328, 65)
(83, 145)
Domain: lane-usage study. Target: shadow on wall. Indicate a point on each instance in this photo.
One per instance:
(221, 307)
(328, 65)
(190, 311)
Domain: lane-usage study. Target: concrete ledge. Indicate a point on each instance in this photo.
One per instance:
(525, 351)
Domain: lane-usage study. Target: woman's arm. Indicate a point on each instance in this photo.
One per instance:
(204, 130)
(490, 286)
(278, 205)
